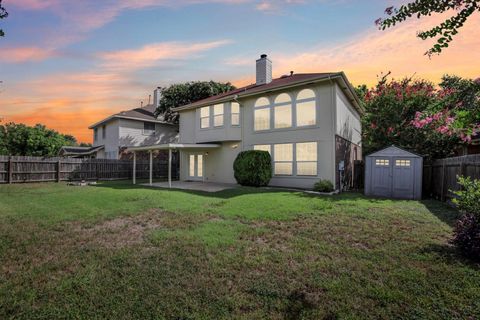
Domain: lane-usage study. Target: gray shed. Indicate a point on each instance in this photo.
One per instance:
(394, 173)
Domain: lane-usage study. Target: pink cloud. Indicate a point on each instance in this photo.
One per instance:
(24, 54)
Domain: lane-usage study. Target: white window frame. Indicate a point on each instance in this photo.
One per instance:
(202, 117)
(237, 114)
(299, 101)
(275, 159)
(297, 162)
(262, 107)
(218, 116)
(148, 132)
(282, 105)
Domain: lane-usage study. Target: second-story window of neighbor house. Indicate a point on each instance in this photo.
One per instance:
(262, 114)
(306, 108)
(104, 132)
(148, 128)
(283, 159)
(218, 115)
(95, 134)
(235, 113)
(204, 117)
(306, 158)
(282, 111)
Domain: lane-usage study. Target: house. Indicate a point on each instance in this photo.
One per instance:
(135, 127)
(310, 124)
(80, 152)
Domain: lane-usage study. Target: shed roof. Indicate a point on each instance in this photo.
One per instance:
(393, 151)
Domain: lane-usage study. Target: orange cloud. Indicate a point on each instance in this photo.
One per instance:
(24, 54)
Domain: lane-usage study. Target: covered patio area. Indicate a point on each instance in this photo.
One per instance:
(170, 147)
(194, 185)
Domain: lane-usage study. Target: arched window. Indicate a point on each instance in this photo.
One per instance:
(282, 111)
(262, 114)
(306, 108)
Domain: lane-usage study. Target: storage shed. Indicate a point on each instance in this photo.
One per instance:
(394, 173)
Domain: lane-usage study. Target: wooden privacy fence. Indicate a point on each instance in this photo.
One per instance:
(441, 176)
(14, 169)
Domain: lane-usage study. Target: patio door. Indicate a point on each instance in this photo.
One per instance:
(195, 167)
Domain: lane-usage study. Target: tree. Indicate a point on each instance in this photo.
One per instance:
(21, 140)
(182, 94)
(3, 15)
(445, 31)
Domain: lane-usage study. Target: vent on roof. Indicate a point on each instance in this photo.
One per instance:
(264, 70)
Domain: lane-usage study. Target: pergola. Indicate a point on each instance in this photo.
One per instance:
(170, 147)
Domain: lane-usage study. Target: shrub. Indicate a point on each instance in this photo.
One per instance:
(323, 186)
(253, 168)
(466, 235)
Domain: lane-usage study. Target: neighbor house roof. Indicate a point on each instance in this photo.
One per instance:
(79, 151)
(278, 84)
(146, 113)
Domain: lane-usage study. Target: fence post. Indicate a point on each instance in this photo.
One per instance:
(444, 173)
(58, 170)
(10, 170)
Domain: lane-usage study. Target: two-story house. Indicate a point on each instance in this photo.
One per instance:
(310, 124)
(136, 127)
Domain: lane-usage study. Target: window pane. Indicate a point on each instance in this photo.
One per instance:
(235, 119)
(200, 165)
(283, 168)
(149, 126)
(235, 107)
(218, 120)
(205, 122)
(402, 163)
(262, 102)
(204, 112)
(283, 116)
(306, 168)
(262, 119)
(263, 147)
(191, 170)
(306, 113)
(218, 109)
(306, 94)
(283, 152)
(282, 98)
(307, 151)
(382, 162)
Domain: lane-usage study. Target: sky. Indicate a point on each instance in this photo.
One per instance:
(68, 63)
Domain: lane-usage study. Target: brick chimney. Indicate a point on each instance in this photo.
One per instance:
(264, 70)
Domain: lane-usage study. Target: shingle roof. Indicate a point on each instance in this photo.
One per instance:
(68, 150)
(284, 81)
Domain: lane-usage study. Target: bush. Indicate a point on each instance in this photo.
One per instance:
(466, 235)
(323, 186)
(253, 168)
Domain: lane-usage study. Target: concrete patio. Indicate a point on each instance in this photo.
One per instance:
(194, 185)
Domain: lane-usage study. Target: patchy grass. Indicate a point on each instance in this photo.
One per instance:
(118, 251)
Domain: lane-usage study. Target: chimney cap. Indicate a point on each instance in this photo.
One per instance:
(263, 56)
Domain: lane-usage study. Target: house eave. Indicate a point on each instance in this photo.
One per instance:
(128, 118)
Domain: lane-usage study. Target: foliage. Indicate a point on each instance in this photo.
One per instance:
(323, 186)
(181, 94)
(468, 198)
(253, 168)
(21, 140)
(3, 15)
(445, 31)
(466, 236)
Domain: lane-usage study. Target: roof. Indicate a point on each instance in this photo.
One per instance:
(277, 84)
(393, 151)
(74, 151)
(146, 113)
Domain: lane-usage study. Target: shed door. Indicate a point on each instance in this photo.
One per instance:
(403, 178)
(382, 176)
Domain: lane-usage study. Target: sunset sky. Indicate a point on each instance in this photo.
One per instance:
(68, 64)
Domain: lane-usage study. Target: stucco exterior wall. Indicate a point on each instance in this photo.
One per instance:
(348, 125)
(131, 134)
(111, 139)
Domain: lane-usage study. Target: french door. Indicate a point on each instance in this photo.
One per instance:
(195, 167)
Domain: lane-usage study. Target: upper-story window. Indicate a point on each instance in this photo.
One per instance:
(218, 115)
(104, 131)
(283, 111)
(235, 113)
(148, 128)
(262, 114)
(306, 108)
(95, 134)
(204, 117)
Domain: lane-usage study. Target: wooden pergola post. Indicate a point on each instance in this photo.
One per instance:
(151, 167)
(169, 167)
(134, 167)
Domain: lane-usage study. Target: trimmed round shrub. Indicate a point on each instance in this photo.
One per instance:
(323, 186)
(253, 168)
(466, 236)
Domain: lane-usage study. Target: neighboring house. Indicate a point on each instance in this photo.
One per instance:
(80, 152)
(310, 124)
(136, 127)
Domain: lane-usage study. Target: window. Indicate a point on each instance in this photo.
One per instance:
(235, 112)
(262, 114)
(263, 147)
(204, 117)
(218, 115)
(148, 128)
(402, 163)
(283, 157)
(104, 131)
(283, 111)
(382, 162)
(306, 159)
(306, 108)
(95, 134)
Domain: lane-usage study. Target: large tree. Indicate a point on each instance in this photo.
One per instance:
(445, 31)
(3, 14)
(182, 94)
(19, 139)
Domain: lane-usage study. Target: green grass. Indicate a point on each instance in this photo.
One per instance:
(124, 252)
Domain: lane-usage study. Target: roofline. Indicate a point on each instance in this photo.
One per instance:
(338, 75)
(90, 150)
(96, 124)
(175, 146)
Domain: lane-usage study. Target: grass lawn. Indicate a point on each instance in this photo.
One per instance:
(122, 252)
